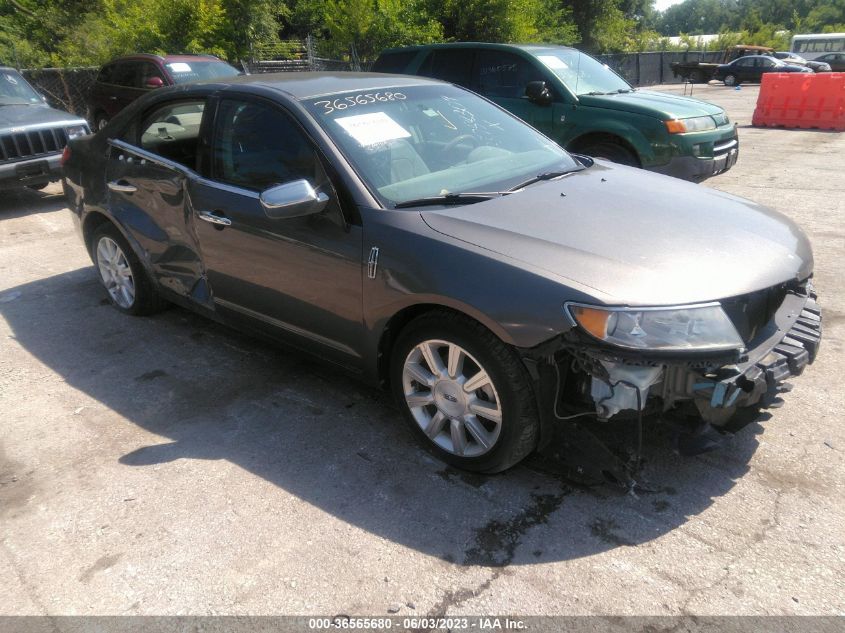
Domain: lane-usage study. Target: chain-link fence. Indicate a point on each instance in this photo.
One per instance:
(648, 69)
(294, 55)
(65, 88)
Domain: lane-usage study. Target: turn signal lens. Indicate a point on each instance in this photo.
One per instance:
(593, 320)
(675, 126)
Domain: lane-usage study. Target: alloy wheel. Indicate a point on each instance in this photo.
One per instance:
(452, 398)
(115, 272)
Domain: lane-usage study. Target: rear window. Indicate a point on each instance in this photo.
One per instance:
(199, 70)
(394, 62)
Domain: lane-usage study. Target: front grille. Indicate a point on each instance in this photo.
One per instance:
(32, 143)
(751, 312)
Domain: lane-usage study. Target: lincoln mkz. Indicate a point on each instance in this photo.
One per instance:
(429, 241)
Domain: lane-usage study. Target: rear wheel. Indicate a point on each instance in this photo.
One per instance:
(129, 288)
(731, 80)
(465, 394)
(612, 151)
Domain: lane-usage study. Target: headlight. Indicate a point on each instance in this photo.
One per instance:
(703, 327)
(76, 130)
(694, 124)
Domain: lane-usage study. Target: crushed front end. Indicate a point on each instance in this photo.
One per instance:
(697, 366)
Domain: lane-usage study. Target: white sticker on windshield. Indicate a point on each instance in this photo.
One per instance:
(179, 67)
(553, 62)
(373, 128)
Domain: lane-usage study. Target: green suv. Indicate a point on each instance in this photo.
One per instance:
(582, 104)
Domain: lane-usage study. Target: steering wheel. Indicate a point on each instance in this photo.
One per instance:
(457, 141)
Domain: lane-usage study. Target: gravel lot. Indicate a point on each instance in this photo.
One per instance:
(167, 465)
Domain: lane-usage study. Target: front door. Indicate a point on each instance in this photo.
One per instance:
(298, 279)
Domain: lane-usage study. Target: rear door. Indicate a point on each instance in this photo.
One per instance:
(147, 176)
(126, 78)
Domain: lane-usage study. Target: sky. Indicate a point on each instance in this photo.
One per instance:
(660, 5)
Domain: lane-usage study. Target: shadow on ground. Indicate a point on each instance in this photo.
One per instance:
(213, 394)
(20, 203)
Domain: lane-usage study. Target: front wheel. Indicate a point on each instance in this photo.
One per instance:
(465, 394)
(122, 274)
(614, 152)
(731, 80)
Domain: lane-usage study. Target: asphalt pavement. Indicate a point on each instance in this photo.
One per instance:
(168, 465)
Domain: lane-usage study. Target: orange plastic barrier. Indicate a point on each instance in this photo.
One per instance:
(799, 100)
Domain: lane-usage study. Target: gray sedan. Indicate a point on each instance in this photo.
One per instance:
(425, 239)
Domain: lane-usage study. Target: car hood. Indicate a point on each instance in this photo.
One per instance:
(19, 116)
(646, 102)
(629, 237)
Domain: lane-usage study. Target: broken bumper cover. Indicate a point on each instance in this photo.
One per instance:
(784, 349)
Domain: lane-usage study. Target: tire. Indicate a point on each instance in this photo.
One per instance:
(612, 151)
(730, 80)
(117, 264)
(448, 409)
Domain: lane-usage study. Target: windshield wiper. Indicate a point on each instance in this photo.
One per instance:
(451, 198)
(549, 175)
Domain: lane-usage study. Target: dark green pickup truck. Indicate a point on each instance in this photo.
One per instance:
(582, 104)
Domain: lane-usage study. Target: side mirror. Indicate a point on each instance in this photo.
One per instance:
(292, 200)
(538, 92)
(154, 82)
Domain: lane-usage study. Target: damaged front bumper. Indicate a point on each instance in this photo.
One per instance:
(575, 373)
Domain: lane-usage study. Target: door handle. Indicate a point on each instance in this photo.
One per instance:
(122, 187)
(209, 216)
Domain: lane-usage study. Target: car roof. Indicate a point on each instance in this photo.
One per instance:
(304, 85)
(488, 45)
(180, 57)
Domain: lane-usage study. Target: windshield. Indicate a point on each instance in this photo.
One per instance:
(581, 73)
(425, 141)
(15, 90)
(186, 72)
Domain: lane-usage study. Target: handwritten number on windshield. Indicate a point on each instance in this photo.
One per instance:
(357, 100)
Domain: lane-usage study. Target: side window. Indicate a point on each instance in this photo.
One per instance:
(451, 64)
(394, 62)
(106, 75)
(125, 74)
(172, 131)
(502, 74)
(146, 72)
(257, 146)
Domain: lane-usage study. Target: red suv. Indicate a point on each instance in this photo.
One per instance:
(123, 80)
